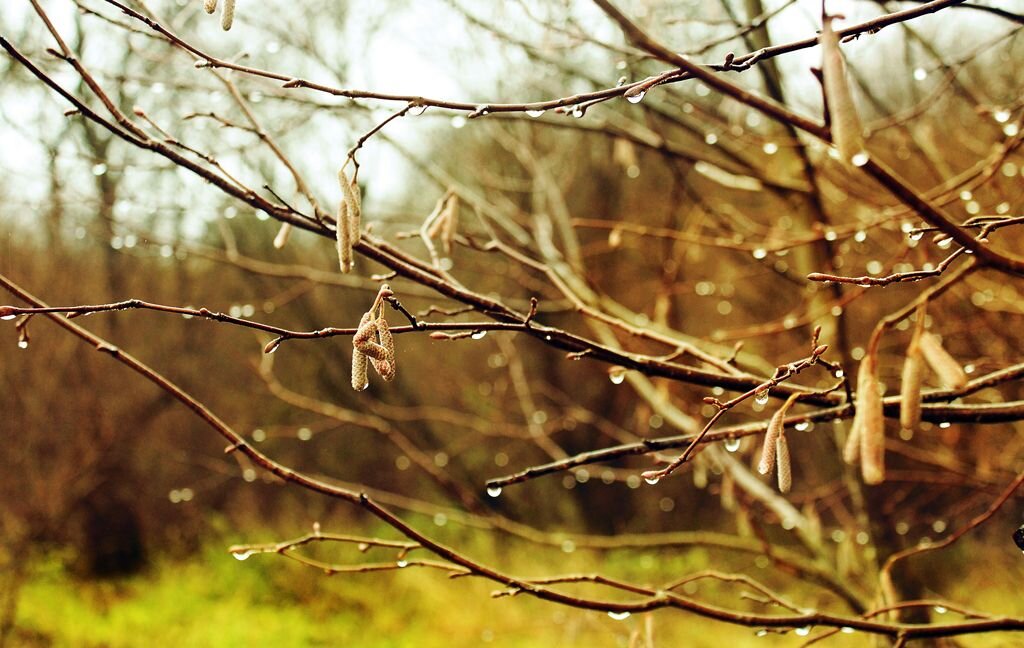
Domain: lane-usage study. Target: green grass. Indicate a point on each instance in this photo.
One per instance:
(213, 600)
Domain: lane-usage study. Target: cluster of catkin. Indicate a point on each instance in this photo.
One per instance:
(373, 344)
(347, 227)
(227, 12)
(867, 436)
(775, 452)
(844, 122)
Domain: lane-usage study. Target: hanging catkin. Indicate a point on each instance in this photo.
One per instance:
(910, 386)
(785, 470)
(944, 365)
(282, 235)
(845, 125)
(348, 220)
(227, 15)
(210, 6)
(870, 420)
(360, 380)
(775, 426)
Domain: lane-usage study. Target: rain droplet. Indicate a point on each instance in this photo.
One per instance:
(494, 491)
(8, 317)
(534, 113)
(802, 426)
(838, 373)
(577, 111)
(760, 253)
(22, 344)
(732, 444)
(940, 609)
(636, 97)
(916, 235)
(920, 74)
(651, 477)
(478, 335)
(711, 139)
(761, 396)
(846, 630)
(402, 563)
(241, 555)
(771, 148)
(804, 631)
(860, 159)
(944, 425)
(617, 375)
(619, 616)
(363, 386)
(761, 633)
(1001, 116)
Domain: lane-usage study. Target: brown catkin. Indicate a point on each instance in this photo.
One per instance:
(344, 239)
(910, 388)
(945, 366)
(450, 223)
(785, 470)
(775, 427)
(388, 367)
(227, 15)
(845, 124)
(209, 6)
(851, 451)
(871, 420)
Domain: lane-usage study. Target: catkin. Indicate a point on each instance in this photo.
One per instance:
(845, 124)
(910, 386)
(785, 470)
(344, 239)
(227, 15)
(360, 380)
(387, 367)
(282, 235)
(872, 421)
(775, 427)
(944, 365)
(209, 6)
(851, 451)
(450, 221)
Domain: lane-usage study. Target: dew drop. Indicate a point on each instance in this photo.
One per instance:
(8, 317)
(802, 426)
(577, 112)
(534, 113)
(920, 74)
(859, 159)
(617, 375)
(241, 555)
(711, 139)
(838, 373)
(636, 97)
(494, 491)
(944, 425)
(478, 335)
(770, 148)
(804, 631)
(940, 609)
(1001, 116)
(363, 547)
(846, 630)
(619, 616)
(761, 396)
(761, 633)
(402, 563)
(651, 477)
(732, 444)
(22, 344)
(916, 235)
(760, 253)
